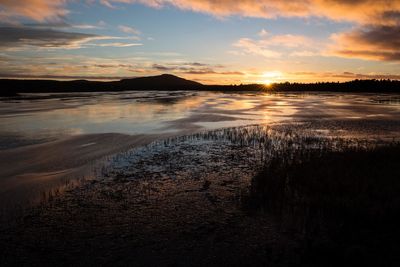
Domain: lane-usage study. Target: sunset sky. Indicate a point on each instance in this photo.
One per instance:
(223, 41)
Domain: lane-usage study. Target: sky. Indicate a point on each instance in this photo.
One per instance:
(209, 41)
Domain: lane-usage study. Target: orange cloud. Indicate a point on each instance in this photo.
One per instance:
(376, 42)
(343, 76)
(361, 11)
(39, 10)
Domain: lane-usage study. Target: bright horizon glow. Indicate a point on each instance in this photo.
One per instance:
(212, 42)
(267, 82)
(271, 77)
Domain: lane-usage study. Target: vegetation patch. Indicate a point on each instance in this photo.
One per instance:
(343, 205)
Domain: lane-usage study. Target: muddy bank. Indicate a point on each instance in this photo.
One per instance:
(174, 202)
(27, 171)
(178, 204)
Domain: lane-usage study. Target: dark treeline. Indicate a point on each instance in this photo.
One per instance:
(390, 86)
(11, 87)
(351, 86)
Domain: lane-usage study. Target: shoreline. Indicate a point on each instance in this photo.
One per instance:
(28, 171)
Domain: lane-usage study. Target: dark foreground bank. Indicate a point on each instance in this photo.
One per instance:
(208, 203)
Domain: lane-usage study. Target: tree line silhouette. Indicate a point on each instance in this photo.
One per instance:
(167, 82)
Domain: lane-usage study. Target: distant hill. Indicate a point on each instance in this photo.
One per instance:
(168, 82)
(10, 87)
(164, 81)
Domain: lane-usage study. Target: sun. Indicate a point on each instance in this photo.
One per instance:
(267, 82)
(270, 77)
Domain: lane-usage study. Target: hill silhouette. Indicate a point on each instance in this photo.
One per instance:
(161, 82)
(168, 82)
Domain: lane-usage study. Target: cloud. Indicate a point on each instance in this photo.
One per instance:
(196, 64)
(341, 76)
(183, 66)
(115, 66)
(62, 77)
(194, 68)
(128, 29)
(375, 42)
(38, 10)
(208, 71)
(151, 3)
(250, 46)
(348, 10)
(19, 37)
(117, 44)
(87, 67)
(203, 71)
(374, 18)
(360, 11)
(263, 33)
(163, 68)
(71, 67)
(22, 38)
(274, 46)
(63, 25)
(87, 26)
(351, 75)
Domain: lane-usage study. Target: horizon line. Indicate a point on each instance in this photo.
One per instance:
(106, 79)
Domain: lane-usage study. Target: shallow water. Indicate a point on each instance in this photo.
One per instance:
(47, 140)
(40, 118)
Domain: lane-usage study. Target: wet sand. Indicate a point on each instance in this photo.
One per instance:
(29, 170)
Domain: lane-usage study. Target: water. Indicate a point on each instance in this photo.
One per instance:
(45, 117)
(48, 140)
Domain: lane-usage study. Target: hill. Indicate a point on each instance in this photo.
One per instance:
(11, 87)
(168, 82)
(161, 82)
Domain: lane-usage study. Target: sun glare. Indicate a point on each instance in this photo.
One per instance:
(270, 77)
(267, 82)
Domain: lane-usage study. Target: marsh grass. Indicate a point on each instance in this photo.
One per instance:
(344, 205)
(267, 142)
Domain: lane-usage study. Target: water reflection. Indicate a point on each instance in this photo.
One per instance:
(53, 116)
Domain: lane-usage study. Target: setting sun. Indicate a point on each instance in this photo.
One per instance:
(271, 77)
(267, 82)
